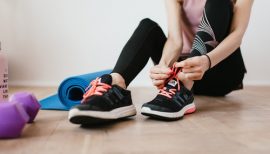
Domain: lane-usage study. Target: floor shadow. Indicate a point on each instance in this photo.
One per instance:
(162, 119)
(105, 123)
(213, 104)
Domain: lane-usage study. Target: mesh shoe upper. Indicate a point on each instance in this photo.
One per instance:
(173, 97)
(102, 96)
(176, 102)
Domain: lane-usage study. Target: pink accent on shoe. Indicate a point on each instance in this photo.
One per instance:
(96, 87)
(191, 110)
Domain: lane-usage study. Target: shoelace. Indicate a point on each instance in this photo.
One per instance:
(96, 88)
(166, 93)
(169, 93)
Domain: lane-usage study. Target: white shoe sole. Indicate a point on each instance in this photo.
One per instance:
(170, 115)
(114, 114)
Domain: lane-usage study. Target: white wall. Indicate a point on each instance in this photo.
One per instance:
(48, 40)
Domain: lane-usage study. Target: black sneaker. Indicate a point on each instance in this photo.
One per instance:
(172, 102)
(103, 102)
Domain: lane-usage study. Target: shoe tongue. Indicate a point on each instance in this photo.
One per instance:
(106, 78)
(172, 84)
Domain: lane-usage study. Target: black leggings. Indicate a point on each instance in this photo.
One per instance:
(148, 41)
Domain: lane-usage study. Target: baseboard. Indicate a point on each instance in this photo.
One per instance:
(257, 83)
(34, 83)
(135, 84)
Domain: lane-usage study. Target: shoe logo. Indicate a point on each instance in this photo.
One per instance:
(172, 83)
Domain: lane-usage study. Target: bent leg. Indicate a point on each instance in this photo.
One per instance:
(146, 42)
(214, 28)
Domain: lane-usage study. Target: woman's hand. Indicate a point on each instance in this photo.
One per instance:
(158, 74)
(193, 68)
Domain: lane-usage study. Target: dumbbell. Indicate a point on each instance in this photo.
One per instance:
(29, 102)
(21, 108)
(13, 118)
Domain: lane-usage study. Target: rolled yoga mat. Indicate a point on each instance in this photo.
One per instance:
(70, 92)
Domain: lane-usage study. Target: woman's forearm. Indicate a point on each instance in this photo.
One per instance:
(225, 48)
(242, 10)
(173, 45)
(171, 52)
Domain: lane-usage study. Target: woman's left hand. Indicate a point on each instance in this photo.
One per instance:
(194, 68)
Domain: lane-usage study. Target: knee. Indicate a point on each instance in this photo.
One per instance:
(148, 22)
(219, 2)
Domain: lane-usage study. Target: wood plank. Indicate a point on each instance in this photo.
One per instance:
(237, 123)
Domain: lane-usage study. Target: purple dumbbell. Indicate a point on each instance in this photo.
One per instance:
(29, 102)
(13, 118)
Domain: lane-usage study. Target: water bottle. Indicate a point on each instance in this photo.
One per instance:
(3, 76)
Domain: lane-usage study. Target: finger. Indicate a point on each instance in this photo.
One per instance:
(160, 86)
(190, 62)
(192, 70)
(158, 82)
(180, 64)
(181, 76)
(194, 76)
(159, 76)
(160, 70)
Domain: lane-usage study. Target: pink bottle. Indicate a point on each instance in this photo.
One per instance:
(3, 76)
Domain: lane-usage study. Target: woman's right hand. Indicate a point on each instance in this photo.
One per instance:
(158, 74)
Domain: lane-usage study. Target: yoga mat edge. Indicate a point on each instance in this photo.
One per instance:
(70, 91)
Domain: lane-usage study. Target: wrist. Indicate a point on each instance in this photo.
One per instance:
(167, 62)
(207, 62)
(164, 63)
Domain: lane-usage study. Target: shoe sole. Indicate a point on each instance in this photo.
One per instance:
(191, 108)
(77, 116)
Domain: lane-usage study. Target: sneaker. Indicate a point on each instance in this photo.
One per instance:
(172, 102)
(102, 102)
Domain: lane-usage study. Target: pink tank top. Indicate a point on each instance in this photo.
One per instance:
(192, 12)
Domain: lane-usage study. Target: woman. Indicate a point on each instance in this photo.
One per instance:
(201, 54)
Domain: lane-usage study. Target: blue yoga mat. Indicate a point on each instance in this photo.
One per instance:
(70, 92)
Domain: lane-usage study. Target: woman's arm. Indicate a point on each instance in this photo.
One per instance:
(242, 10)
(195, 67)
(173, 45)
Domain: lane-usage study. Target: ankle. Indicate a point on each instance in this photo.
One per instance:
(117, 79)
(186, 82)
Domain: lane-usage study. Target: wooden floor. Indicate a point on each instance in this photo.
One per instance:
(238, 124)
